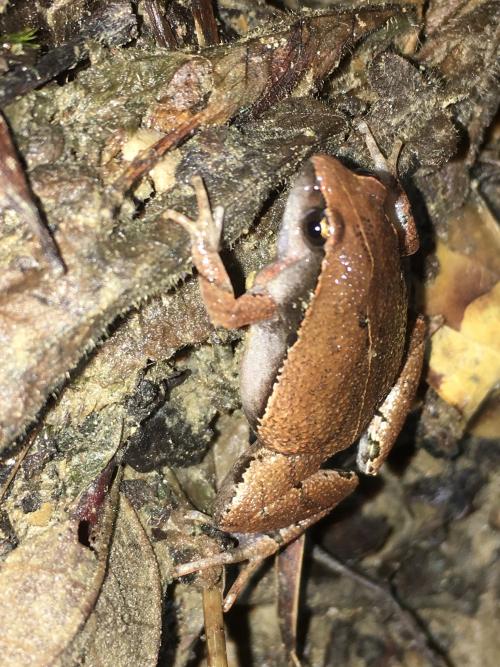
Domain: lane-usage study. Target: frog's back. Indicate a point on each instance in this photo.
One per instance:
(351, 342)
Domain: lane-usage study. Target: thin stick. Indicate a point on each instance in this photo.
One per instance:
(288, 577)
(214, 627)
(149, 157)
(204, 22)
(20, 456)
(16, 195)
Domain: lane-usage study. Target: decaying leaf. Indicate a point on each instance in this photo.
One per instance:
(251, 76)
(465, 364)
(47, 589)
(465, 52)
(49, 584)
(124, 627)
(461, 280)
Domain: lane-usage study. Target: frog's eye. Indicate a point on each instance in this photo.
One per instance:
(315, 226)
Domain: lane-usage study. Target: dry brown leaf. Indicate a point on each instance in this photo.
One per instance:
(124, 629)
(464, 365)
(246, 78)
(258, 71)
(460, 280)
(48, 587)
(49, 584)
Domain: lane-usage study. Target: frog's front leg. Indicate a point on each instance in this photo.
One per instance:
(223, 307)
(384, 428)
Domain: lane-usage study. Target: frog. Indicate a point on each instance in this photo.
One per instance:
(330, 357)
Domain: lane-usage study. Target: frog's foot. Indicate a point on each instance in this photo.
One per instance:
(252, 548)
(377, 442)
(255, 549)
(206, 230)
(399, 208)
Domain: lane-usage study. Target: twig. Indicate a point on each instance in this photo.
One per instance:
(20, 456)
(16, 195)
(214, 627)
(160, 27)
(204, 22)
(147, 158)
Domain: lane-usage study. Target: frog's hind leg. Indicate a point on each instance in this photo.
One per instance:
(266, 490)
(377, 442)
(288, 567)
(249, 504)
(319, 494)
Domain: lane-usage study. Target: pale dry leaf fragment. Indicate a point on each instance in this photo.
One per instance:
(124, 629)
(473, 231)
(464, 365)
(460, 280)
(487, 423)
(48, 586)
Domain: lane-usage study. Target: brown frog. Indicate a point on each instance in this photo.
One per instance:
(329, 355)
